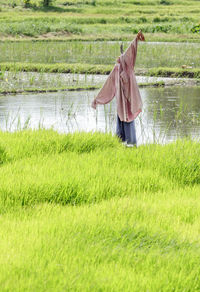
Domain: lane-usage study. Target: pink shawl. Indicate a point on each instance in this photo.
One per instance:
(121, 83)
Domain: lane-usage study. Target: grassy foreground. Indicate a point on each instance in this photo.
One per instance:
(80, 212)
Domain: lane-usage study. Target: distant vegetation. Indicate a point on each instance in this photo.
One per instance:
(99, 19)
(178, 60)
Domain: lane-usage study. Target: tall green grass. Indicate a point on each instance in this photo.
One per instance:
(99, 53)
(149, 242)
(43, 166)
(80, 212)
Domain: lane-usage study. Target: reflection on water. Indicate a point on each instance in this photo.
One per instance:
(168, 113)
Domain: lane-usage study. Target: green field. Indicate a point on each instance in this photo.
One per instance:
(101, 19)
(74, 36)
(99, 53)
(87, 58)
(80, 212)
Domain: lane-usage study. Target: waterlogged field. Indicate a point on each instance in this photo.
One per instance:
(13, 82)
(81, 212)
(177, 60)
(21, 82)
(92, 20)
(169, 113)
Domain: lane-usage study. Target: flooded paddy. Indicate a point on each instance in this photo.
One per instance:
(23, 81)
(169, 113)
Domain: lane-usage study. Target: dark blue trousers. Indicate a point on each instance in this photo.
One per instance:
(126, 131)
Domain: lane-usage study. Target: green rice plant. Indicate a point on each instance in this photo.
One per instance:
(177, 162)
(31, 80)
(2, 73)
(136, 243)
(94, 53)
(174, 72)
(82, 207)
(96, 21)
(97, 69)
(80, 212)
(3, 157)
(57, 68)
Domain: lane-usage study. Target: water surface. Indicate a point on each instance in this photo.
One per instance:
(169, 113)
(31, 80)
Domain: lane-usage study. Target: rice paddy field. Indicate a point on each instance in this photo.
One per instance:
(100, 53)
(101, 19)
(87, 58)
(84, 37)
(80, 211)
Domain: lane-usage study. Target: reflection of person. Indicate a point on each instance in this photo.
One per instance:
(122, 83)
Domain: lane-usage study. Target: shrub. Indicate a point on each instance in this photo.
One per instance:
(47, 3)
(165, 2)
(27, 3)
(142, 20)
(196, 28)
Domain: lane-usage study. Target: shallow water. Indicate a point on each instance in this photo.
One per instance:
(168, 113)
(32, 80)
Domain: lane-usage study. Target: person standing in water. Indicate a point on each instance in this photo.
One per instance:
(121, 83)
